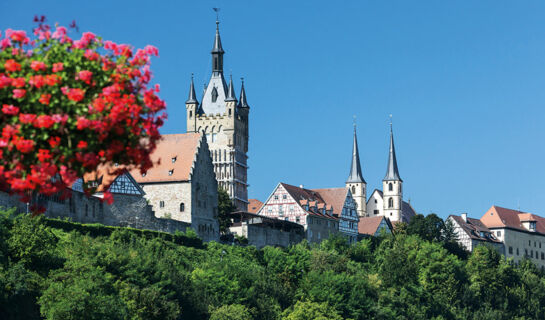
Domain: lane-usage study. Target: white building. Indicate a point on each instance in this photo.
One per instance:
(522, 233)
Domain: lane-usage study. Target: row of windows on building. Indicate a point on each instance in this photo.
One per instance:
(531, 255)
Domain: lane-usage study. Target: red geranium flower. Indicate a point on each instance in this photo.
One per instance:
(85, 76)
(10, 109)
(44, 98)
(19, 93)
(38, 65)
(54, 142)
(59, 66)
(82, 145)
(24, 145)
(12, 66)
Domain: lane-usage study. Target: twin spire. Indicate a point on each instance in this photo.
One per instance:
(355, 168)
(392, 172)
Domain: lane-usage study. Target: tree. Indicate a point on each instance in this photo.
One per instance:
(231, 312)
(307, 310)
(428, 227)
(69, 106)
(225, 208)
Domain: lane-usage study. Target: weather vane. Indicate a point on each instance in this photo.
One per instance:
(354, 122)
(217, 10)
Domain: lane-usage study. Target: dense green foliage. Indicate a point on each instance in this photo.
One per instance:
(59, 270)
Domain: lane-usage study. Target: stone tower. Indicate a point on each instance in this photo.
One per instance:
(355, 182)
(224, 120)
(392, 186)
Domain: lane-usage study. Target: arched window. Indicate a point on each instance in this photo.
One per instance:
(390, 202)
(390, 187)
(353, 190)
(182, 207)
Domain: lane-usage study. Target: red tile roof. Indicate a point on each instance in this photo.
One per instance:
(254, 205)
(369, 225)
(173, 159)
(306, 196)
(498, 217)
(334, 197)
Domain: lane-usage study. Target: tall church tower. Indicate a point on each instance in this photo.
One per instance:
(224, 120)
(392, 185)
(355, 182)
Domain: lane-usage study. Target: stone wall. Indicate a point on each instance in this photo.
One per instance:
(261, 236)
(126, 211)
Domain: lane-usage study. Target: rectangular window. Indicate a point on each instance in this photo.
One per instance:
(510, 250)
(517, 251)
(287, 219)
(542, 256)
(284, 197)
(529, 243)
(297, 219)
(375, 211)
(161, 204)
(499, 233)
(531, 253)
(291, 207)
(275, 197)
(269, 209)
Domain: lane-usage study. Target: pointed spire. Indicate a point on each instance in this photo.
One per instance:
(217, 40)
(243, 103)
(192, 96)
(355, 168)
(217, 52)
(231, 91)
(392, 173)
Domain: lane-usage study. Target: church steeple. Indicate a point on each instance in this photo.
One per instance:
(231, 91)
(217, 52)
(192, 96)
(355, 168)
(392, 173)
(243, 102)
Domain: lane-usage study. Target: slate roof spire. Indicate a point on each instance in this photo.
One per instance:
(355, 168)
(243, 103)
(392, 173)
(217, 52)
(231, 91)
(192, 96)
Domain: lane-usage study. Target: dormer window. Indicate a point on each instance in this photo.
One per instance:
(214, 94)
(170, 172)
(144, 174)
(174, 159)
(532, 225)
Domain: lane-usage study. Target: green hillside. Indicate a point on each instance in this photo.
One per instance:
(60, 270)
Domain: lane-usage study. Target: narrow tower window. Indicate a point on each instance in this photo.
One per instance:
(353, 190)
(390, 202)
(214, 94)
(182, 207)
(390, 187)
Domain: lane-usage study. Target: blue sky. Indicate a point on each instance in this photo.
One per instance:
(464, 81)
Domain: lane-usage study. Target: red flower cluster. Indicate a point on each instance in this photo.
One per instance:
(61, 120)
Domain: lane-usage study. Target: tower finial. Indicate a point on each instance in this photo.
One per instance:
(231, 90)
(243, 103)
(217, 49)
(192, 96)
(391, 123)
(354, 121)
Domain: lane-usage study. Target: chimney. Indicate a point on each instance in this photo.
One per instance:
(464, 217)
